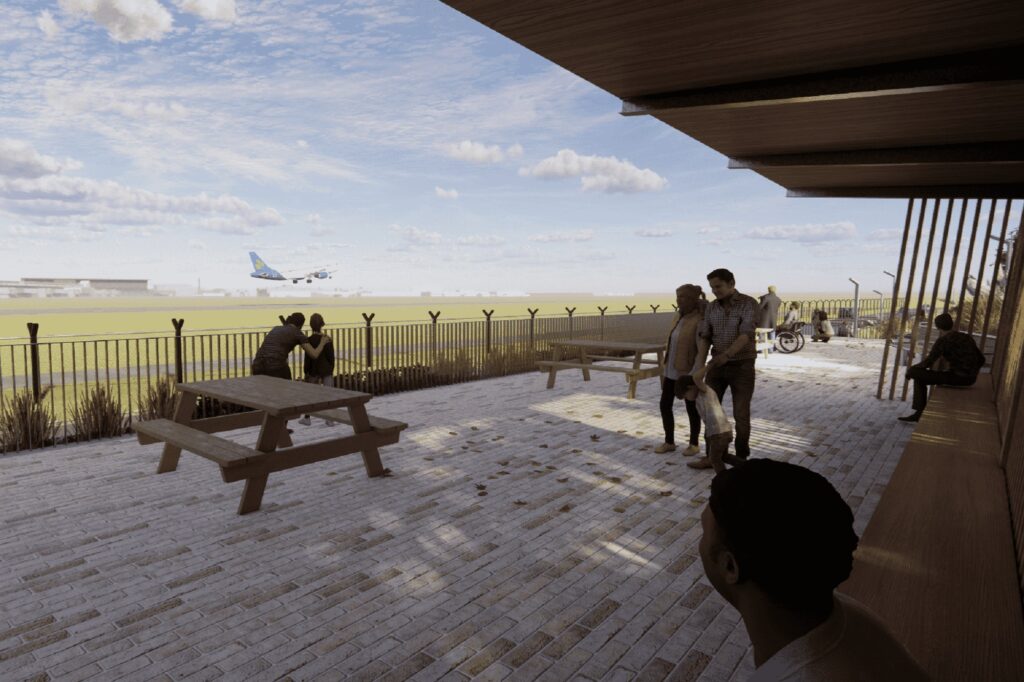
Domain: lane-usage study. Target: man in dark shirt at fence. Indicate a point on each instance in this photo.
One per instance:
(956, 348)
(272, 357)
(728, 332)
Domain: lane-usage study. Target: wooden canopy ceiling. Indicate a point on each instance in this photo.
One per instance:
(878, 98)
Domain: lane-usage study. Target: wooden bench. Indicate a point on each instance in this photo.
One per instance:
(224, 452)
(936, 562)
(379, 424)
(632, 375)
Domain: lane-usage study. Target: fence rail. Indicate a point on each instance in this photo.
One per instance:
(60, 391)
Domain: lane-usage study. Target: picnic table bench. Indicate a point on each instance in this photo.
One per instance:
(586, 351)
(936, 562)
(273, 402)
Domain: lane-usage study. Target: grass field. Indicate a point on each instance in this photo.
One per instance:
(117, 316)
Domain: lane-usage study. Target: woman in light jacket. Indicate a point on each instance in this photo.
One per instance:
(681, 354)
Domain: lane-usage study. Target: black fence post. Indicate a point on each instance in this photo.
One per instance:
(33, 349)
(654, 308)
(630, 309)
(369, 338)
(533, 314)
(602, 320)
(570, 311)
(488, 314)
(433, 334)
(178, 365)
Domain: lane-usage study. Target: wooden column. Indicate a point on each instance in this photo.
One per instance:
(906, 299)
(895, 290)
(918, 313)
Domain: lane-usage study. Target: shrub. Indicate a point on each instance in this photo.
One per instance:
(160, 401)
(26, 422)
(99, 416)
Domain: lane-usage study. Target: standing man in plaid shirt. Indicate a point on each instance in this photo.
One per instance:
(728, 332)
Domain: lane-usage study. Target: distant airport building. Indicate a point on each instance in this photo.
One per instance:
(75, 286)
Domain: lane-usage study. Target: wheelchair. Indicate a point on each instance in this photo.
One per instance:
(790, 339)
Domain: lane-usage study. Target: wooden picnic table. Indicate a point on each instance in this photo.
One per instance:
(273, 401)
(586, 351)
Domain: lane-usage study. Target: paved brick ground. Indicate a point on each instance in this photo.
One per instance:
(526, 534)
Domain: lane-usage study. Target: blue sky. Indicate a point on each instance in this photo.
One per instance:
(400, 140)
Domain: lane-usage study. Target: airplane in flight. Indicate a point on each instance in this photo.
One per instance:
(263, 271)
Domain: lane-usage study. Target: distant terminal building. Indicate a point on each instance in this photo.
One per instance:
(75, 286)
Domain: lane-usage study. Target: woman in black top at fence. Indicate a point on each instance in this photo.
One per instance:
(318, 370)
(272, 357)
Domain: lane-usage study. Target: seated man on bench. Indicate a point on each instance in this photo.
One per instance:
(956, 348)
(778, 539)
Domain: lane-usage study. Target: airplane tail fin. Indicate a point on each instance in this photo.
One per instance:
(258, 263)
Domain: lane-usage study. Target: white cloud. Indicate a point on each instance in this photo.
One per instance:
(708, 229)
(31, 187)
(597, 173)
(47, 24)
(196, 245)
(20, 160)
(313, 218)
(475, 152)
(302, 144)
(125, 20)
(577, 236)
(515, 151)
(446, 193)
(415, 235)
(821, 232)
(480, 240)
(213, 10)
(885, 233)
(653, 232)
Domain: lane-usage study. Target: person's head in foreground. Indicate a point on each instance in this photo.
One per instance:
(722, 283)
(688, 298)
(778, 539)
(944, 322)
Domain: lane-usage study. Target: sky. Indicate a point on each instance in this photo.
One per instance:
(397, 140)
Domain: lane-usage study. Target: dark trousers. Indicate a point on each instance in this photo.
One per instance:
(923, 378)
(279, 371)
(738, 377)
(668, 420)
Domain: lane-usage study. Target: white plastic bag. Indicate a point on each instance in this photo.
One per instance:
(711, 412)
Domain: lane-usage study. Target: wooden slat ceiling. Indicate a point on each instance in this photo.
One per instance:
(759, 80)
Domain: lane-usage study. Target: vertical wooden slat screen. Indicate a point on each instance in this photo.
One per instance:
(895, 290)
(938, 276)
(993, 291)
(906, 298)
(967, 264)
(918, 312)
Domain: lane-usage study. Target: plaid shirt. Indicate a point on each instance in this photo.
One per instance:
(725, 320)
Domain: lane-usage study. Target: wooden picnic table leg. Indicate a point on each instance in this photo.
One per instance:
(273, 431)
(556, 355)
(637, 363)
(182, 415)
(371, 455)
(585, 360)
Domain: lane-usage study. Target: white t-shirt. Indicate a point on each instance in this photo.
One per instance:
(853, 645)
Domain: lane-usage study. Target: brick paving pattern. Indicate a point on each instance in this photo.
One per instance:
(525, 534)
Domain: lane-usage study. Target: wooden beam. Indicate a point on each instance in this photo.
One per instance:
(952, 72)
(1007, 191)
(996, 152)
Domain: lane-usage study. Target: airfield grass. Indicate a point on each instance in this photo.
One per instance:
(112, 317)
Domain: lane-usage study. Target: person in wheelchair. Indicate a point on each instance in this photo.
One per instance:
(791, 323)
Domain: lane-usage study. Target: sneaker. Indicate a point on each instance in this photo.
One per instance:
(306, 421)
(665, 447)
(691, 450)
(702, 463)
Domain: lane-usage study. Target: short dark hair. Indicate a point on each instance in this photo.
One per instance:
(944, 322)
(822, 315)
(316, 322)
(722, 274)
(298, 319)
(789, 529)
